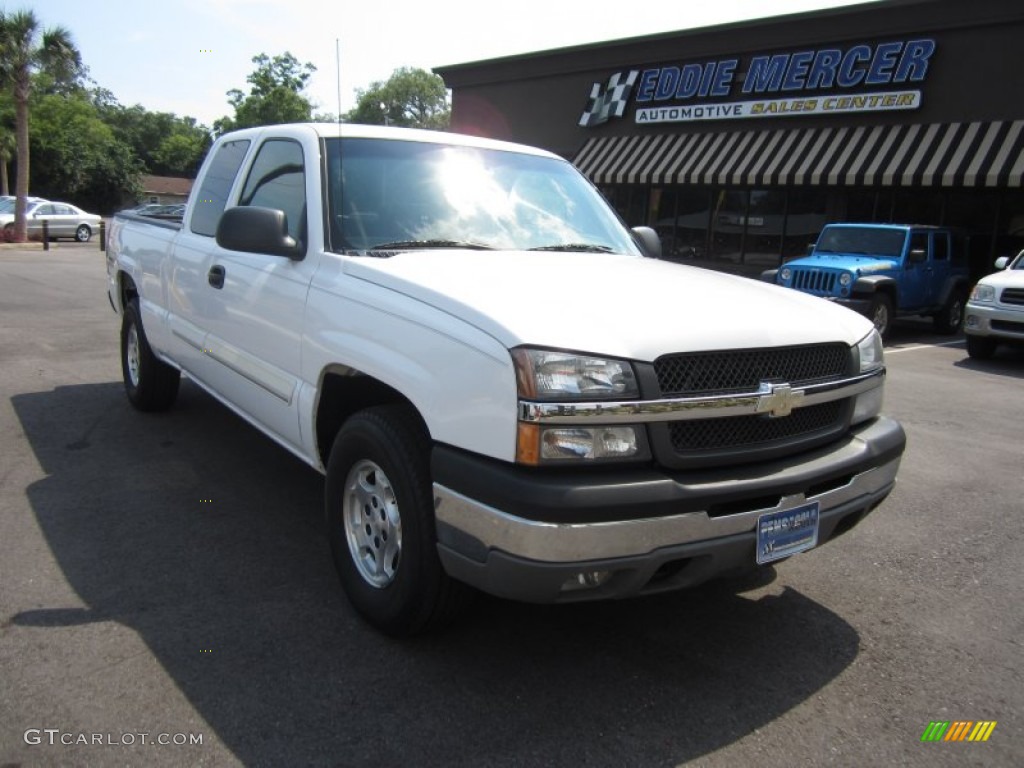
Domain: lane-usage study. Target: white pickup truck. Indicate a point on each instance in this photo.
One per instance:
(504, 388)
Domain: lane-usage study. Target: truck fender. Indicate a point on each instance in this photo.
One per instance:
(869, 284)
(769, 275)
(953, 284)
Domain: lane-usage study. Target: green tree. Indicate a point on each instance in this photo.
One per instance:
(25, 50)
(78, 157)
(411, 97)
(275, 96)
(166, 144)
(180, 154)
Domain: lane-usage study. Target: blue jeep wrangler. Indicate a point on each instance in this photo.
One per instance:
(884, 271)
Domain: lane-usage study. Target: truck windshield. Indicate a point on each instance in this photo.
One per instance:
(401, 195)
(863, 241)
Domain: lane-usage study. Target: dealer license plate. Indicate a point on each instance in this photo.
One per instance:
(784, 533)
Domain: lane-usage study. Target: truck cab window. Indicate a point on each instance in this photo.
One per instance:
(277, 180)
(216, 186)
(919, 242)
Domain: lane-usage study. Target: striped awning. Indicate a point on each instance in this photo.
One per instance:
(921, 155)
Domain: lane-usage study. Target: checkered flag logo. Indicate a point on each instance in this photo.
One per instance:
(610, 101)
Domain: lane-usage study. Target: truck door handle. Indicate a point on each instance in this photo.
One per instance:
(216, 276)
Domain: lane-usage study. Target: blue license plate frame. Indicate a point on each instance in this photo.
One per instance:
(787, 532)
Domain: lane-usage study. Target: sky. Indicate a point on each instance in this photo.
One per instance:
(182, 56)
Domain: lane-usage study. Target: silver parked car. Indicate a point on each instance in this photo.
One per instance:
(7, 202)
(63, 220)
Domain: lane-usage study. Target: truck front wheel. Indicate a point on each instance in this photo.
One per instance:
(380, 519)
(981, 347)
(881, 313)
(151, 384)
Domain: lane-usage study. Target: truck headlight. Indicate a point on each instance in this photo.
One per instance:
(983, 294)
(588, 443)
(785, 273)
(538, 445)
(545, 375)
(568, 377)
(870, 352)
(869, 404)
(845, 279)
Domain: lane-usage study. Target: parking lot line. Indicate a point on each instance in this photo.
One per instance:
(959, 343)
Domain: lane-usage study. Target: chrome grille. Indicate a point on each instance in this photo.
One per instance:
(734, 371)
(817, 280)
(1012, 296)
(739, 439)
(753, 431)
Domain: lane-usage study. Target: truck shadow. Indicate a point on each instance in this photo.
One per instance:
(205, 539)
(1007, 361)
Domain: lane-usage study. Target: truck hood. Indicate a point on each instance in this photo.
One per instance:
(850, 262)
(1008, 278)
(608, 304)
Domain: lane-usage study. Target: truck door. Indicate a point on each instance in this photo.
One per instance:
(916, 274)
(187, 274)
(257, 301)
(940, 253)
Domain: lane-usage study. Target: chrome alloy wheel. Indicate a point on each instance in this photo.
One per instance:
(373, 523)
(132, 355)
(881, 318)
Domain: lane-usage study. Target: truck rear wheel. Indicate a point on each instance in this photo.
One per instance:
(949, 319)
(380, 519)
(881, 313)
(151, 384)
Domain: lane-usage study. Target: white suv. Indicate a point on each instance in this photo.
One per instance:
(995, 312)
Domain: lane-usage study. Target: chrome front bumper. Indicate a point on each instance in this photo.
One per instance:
(512, 555)
(978, 319)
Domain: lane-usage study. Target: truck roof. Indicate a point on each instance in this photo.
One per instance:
(356, 130)
(876, 225)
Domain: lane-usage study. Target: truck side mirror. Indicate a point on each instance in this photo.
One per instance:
(253, 229)
(918, 256)
(648, 241)
(1002, 261)
(810, 248)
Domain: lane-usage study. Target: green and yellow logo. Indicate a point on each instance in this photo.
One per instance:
(958, 730)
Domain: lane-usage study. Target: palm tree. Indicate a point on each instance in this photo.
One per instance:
(23, 52)
(7, 148)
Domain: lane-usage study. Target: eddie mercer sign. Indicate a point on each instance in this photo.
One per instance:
(859, 78)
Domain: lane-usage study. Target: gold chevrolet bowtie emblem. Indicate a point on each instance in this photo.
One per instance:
(778, 399)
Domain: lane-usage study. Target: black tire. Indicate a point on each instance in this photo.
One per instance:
(378, 479)
(981, 347)
(151, 384)
(83, 233)
(950, 318)
(881, 313)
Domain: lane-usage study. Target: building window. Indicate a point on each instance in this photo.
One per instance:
(728, 220)
(918, 206)
(630, 202)
(766, 219)
(860, 206)
(806, 214)
(682, 221)
(1009, 229)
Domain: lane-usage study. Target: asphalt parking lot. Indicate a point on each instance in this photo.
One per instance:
(166, 576)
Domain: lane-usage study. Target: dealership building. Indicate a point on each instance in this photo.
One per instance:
(738, 142)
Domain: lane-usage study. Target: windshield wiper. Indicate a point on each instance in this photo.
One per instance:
(399, 244)
(580, 247)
